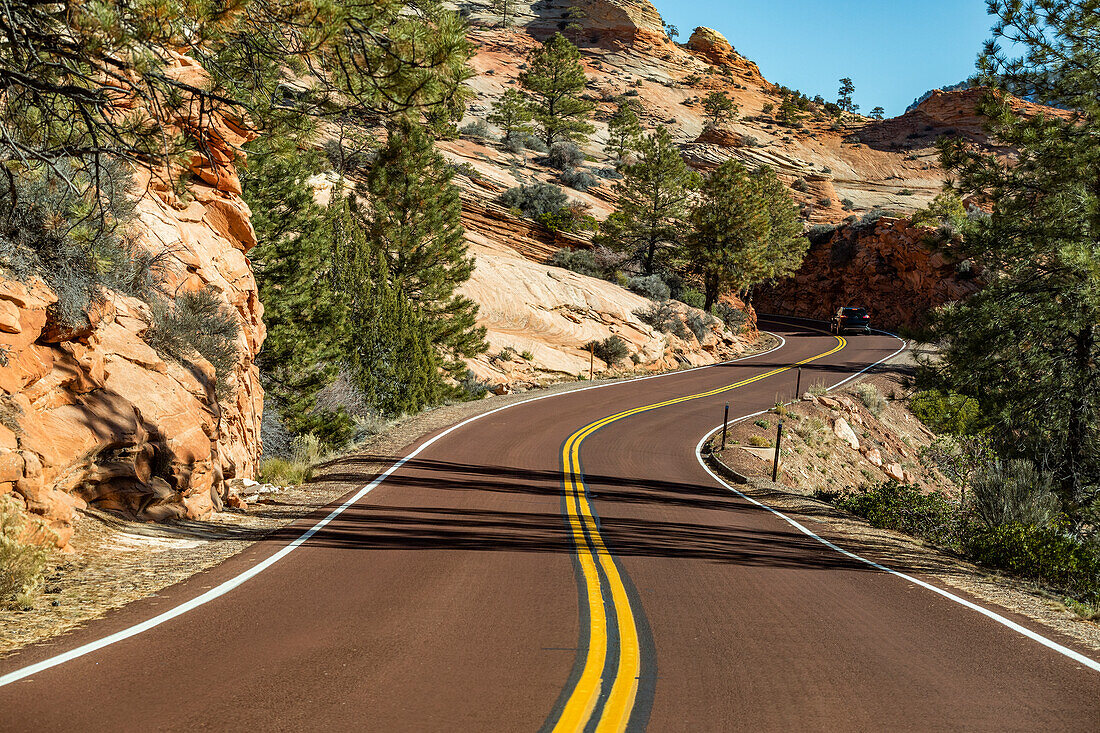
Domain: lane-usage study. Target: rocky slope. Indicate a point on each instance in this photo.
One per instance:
(835, 168)
(97, 416)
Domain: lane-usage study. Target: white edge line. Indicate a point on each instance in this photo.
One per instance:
(252, 572)
(1075, 656)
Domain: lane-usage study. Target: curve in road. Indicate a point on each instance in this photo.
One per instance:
(444, 597)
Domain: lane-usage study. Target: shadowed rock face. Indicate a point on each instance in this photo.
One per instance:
(96, 415)
(890, 269)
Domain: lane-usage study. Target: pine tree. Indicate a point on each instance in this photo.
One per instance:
(571, 23)
(412, 212)
(719, 108)
(392, 356)
(744, 231)
(505, 9)
(788, 111)
(386, 343)
(512, 113)
(304, 315)
(555, 78)
(653, 200)
(624, 130)
(844, 98)
(878, 113)
(1027, 347)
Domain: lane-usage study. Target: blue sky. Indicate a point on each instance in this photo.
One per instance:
(893, 50)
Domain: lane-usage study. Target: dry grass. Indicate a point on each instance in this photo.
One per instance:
(22, 563)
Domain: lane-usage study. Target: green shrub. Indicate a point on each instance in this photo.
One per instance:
(652, 287)
(22, 562)
(762, 423)
(581, 261)
(871, 398)
(69, 224)
(759, 441)
(907, 509)
(197, 322)
(564, 156)
(283, 472)
(692, 297)
(536, 200)
(578, 179)
(734, 318)
(611, 350)
(473, 388)
(478, 129)
(664, 318)
(1013, 492)
(700, 323)
(1046, 554)
(820, 233)
(947, 412)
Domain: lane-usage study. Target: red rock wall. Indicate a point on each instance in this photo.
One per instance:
(889, 269)
(99, 416)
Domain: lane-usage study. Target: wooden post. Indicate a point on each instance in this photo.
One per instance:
(778, 440)
(725, 424)
(591, 361)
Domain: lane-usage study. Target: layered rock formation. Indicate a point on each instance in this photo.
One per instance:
(539, 319)
(96, 415)
(889, 268)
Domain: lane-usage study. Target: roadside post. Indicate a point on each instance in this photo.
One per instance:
(725, 424)
(591, 361)
(798, 386)
(778, 440)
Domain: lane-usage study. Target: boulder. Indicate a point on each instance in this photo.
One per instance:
(894, 471)
(844, 431)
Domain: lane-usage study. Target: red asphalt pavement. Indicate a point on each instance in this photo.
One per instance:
(446, 599)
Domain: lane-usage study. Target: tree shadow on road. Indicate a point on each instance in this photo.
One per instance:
(638, 517)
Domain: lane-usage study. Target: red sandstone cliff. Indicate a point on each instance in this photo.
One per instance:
(98, 416)
(892, 269)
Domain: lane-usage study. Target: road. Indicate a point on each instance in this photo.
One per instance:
(563, 564)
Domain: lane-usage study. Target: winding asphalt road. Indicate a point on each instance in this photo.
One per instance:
(564, 564)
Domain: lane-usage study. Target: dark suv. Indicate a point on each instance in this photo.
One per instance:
(851, 319)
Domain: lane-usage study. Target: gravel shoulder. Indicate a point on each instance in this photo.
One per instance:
(119, 561)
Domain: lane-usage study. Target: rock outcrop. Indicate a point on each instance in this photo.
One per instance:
(711, 46)
(889, 268)
(600, 22)
(98, 416)
(540, 317)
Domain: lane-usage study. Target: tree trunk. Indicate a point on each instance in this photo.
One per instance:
(651, 253)
(710, 292)
(1080, 414)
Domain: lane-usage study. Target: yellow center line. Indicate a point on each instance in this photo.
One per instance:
(591, 550)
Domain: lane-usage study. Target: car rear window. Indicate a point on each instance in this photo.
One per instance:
(854, 312)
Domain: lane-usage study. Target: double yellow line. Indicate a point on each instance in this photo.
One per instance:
(593, 556)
